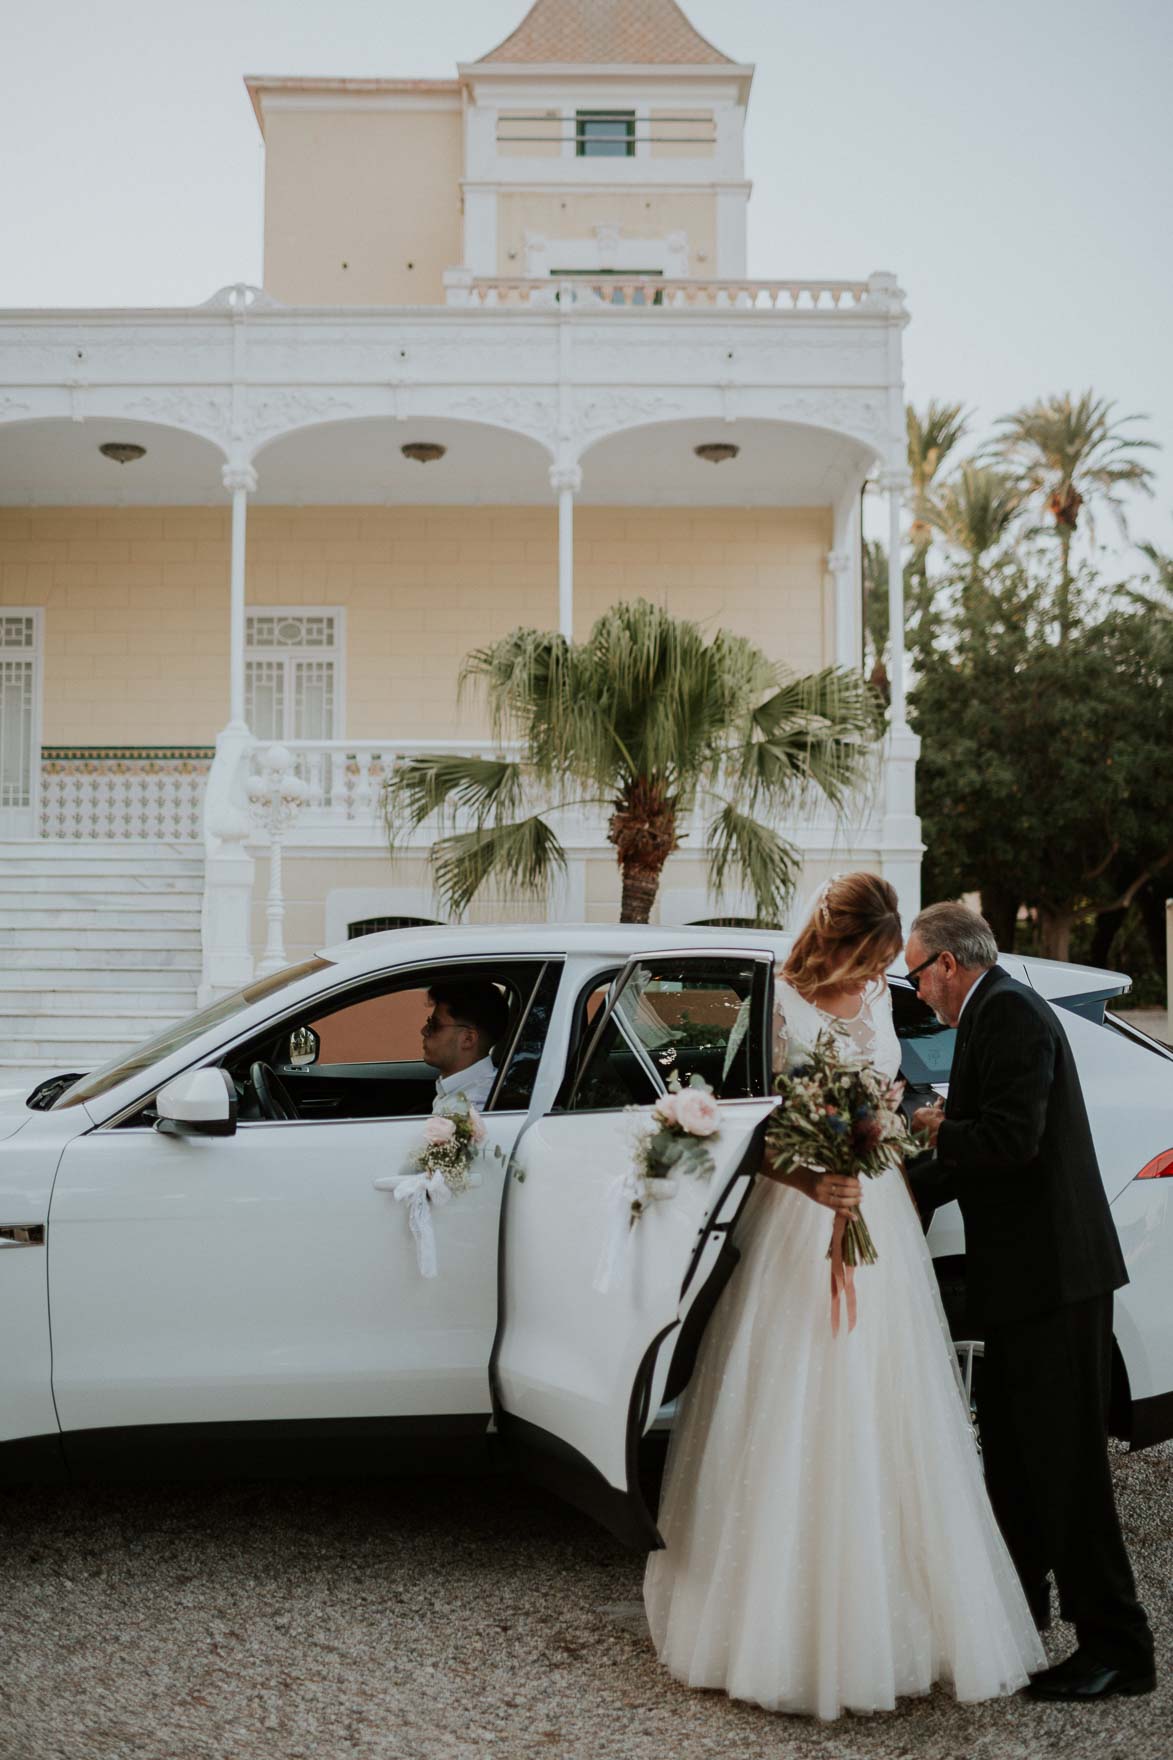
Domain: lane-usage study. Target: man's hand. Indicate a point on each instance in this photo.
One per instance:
(929, 1119)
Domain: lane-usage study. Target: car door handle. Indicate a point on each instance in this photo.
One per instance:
(22, 1234)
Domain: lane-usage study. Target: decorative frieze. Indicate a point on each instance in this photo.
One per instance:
(138, 793)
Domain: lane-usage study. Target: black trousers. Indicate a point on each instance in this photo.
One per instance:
(1043, 1409)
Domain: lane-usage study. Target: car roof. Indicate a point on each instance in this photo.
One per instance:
(512, 940)
(1051, 978)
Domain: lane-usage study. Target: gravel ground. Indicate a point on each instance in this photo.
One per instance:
(432, 1621)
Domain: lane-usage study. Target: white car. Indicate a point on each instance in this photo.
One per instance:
(203, 1264)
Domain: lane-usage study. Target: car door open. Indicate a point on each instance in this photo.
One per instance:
(579, 1375)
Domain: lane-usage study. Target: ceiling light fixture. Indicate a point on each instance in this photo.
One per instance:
(423, 451)
(122, 451)
(716, 451)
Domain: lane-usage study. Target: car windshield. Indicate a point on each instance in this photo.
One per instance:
(182, 1033)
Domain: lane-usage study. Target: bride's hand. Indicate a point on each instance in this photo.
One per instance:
(835, 1191)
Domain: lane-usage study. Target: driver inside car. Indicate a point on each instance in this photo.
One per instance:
(465, 1022)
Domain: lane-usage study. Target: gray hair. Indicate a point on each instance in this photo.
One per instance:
(955, 929)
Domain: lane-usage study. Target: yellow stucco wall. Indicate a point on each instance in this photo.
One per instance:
(136, 599)
(563, 215)
(680, 133)
(362, 207)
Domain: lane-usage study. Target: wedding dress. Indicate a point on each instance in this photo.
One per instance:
(829, 1543)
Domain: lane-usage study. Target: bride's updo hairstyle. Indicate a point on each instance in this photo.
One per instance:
(853, 933)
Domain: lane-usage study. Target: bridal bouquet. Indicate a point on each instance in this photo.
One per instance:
(839, 1115)
(443, 1167)
(681, 1122)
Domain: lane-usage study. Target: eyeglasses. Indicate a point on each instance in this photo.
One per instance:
(914, 976)
(432, 1026)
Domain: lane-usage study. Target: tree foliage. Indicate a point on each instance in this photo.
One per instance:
(1042, 779)
(652, 720)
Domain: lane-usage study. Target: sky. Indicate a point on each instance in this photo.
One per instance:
(1011, 162)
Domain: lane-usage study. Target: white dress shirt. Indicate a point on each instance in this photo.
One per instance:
(968, 993)
(475, 1083)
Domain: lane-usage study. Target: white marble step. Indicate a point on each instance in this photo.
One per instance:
(109, 1027)
(91, 910)
(114, 939)
(54, 1054)
(55, 957)
(102, 849)
(25, 879)
(34, 992)
(113, 979)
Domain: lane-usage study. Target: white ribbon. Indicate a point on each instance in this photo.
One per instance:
(420, 1191)
(622, 1193)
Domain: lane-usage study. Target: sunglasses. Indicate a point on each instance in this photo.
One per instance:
(914, 976)
(432, 1026)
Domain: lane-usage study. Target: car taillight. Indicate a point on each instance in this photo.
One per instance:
(1160, 1167)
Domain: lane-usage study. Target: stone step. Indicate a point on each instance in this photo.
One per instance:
(162, 909)
(112, 982)
(62, 1053)
(113, 938)
(38, 995)
(122, 849)
(25, 879)
(168, 957)
(113, 918)
(110, 1027)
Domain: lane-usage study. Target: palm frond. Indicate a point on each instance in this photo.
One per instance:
(1063, 444)
(931, 438)
(741, 848)
(449, 784)
(524, 855)
(813, 732)
(976, 509)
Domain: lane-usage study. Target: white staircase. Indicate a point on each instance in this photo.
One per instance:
(99, 948)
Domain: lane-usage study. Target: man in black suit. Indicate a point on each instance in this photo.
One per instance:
(1013, 1146)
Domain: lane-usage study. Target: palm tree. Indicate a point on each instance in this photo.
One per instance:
(649, 719)
(1071, 452)
(931, 438)
(974, 511)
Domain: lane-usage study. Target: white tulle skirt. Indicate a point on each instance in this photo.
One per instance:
(829, 1543)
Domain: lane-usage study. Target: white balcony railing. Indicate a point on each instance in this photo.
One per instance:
(124, 794)
(876, 294)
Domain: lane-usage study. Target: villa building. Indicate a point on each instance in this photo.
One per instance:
(505, 368)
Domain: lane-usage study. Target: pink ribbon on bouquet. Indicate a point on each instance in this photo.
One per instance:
(842, 1280)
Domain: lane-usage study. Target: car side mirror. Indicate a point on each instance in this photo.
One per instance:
(304, 1045)
(199, 1103)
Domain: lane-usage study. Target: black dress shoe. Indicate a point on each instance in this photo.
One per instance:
(1081, 1677)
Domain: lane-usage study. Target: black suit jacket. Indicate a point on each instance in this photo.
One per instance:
(1016, 1151)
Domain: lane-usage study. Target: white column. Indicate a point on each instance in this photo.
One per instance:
(894, 483)
(566, 481)
(846, 618)
(241, 479)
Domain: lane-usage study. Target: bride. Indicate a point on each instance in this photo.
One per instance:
(829, 1545)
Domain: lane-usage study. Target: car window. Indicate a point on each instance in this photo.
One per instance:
(379, 1029)
(683, 1016)
(516, 1087)
(926, 1044)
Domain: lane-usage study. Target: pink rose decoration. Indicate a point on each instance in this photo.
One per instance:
(476, 1124)
(664, 1111)
(696, 1112)
(439, 1131)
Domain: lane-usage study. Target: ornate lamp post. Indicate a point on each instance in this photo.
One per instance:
(276, 796)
